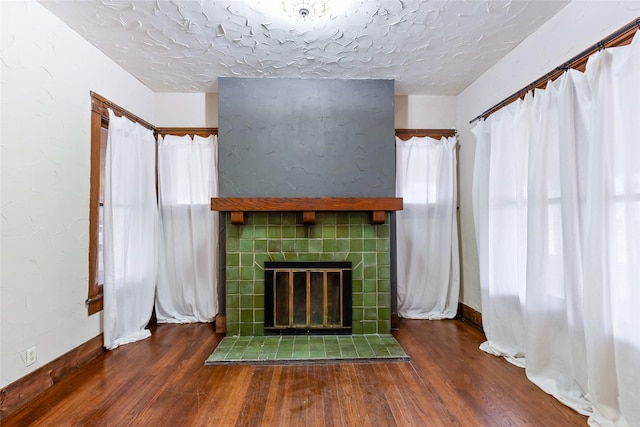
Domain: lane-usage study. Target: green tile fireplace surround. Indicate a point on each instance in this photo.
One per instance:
(282, 236)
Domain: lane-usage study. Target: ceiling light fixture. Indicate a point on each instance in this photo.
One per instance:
(305, 10)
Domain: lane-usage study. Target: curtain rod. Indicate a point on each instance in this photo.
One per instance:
(627, 30)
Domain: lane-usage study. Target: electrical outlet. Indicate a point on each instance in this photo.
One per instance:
(30, 356)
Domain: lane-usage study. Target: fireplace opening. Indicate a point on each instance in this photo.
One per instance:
(307, 298)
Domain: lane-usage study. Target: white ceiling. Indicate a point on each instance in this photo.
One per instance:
(428, 47)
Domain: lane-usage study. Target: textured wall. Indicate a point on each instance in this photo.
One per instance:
(425, 112)
(306, 138)
(47, 73)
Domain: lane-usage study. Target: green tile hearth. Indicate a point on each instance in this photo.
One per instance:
(235, 350)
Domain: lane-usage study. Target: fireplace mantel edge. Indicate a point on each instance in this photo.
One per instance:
(307, 205)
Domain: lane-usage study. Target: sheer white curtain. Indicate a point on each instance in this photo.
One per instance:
(572, 224)
(130, 232)
(500, 213)
(427, 232)
(187, 179)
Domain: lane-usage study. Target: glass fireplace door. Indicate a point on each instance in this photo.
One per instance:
(299, 299)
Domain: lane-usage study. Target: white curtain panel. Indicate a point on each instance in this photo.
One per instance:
(426, 229)
(559, 235)
(612, 223)
(500, 212)
(130, 232)
(187, 179)
(555, 355)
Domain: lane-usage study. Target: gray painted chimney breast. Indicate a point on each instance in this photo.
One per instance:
(306, 138)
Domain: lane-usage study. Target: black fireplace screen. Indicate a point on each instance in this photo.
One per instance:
(307, 297)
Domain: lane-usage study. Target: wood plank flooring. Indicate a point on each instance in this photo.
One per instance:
(162, 381)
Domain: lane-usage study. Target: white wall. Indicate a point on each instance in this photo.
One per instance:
(47, 73)
(425, 112)
(186, 110)
(575, 28)
(201, 110)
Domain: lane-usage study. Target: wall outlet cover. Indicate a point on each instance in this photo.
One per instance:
(31, 356)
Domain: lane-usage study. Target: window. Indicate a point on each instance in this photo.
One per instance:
(99, 133)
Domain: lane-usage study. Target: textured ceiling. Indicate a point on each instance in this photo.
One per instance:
(428, 47)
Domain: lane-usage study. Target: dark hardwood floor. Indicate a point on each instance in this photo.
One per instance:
(162, 381)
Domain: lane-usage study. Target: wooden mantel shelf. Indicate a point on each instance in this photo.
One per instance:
(307, 205)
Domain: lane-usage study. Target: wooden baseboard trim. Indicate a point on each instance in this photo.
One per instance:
(221, 324)
(29, 387)
(469, 314)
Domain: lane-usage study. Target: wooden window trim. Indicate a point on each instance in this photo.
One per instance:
(405, 134)
(94, 299)
(101, 106)
(203, 132)
(99, 120)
